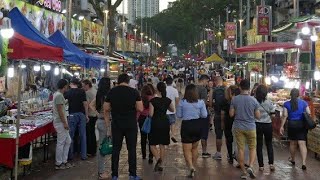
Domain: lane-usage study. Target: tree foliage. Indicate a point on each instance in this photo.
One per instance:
(182, 23)
(99, 6)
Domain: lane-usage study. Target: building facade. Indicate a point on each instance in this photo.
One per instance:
(142, 8)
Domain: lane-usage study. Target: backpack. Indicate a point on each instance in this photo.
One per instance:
(219, 98)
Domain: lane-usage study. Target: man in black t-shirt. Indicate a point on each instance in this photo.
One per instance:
(78, 116)
(123, 102)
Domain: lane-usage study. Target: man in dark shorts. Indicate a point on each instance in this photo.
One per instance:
(123, 102)
(218, 101)
(203, 95)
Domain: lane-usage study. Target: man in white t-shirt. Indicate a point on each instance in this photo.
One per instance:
(133, 83)
(172, 93)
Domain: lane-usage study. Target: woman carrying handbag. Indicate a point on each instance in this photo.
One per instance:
(293, 111)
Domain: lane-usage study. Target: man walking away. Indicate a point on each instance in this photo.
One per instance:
(91, 93)
(78, 115)
(219, 101)
(245, 108)
(203, 95)
(172, 93)
(61, 126)
(123, 102)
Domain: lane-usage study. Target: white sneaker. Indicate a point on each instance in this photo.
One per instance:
(217, 156)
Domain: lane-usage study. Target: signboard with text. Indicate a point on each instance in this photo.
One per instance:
(264, 20)
(231, 30)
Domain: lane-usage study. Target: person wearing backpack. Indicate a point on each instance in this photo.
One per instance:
(218, 101)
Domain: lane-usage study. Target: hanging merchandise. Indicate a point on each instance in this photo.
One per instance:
(290, 69)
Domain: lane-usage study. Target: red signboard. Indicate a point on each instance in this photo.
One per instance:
(264, 20)
(231, 30)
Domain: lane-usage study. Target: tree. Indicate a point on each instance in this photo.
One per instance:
(99, 6)
(183, 23)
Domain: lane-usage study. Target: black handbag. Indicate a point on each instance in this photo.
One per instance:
(310, 124)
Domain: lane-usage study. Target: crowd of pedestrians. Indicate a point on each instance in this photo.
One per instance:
(243, 116)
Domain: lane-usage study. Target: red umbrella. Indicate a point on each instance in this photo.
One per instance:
(265, 46)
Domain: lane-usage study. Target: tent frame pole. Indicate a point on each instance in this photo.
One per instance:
(18, 120)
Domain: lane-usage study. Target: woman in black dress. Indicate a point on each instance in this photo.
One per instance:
(160, 125)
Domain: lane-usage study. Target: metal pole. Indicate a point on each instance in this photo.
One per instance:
(18, 121)
(106, 11)
(265, 65)
(123, 35)
(248, 15)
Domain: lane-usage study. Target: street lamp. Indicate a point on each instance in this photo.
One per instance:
(106, 12)
(141, 39)
(135, 37)
(241, 35)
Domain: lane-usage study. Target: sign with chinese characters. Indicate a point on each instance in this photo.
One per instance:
(54, 5)
(231, 30)
(264, 20)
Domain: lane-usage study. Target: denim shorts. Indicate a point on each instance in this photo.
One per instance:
(171, 118)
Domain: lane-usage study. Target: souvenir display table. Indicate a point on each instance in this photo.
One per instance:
(31, 128)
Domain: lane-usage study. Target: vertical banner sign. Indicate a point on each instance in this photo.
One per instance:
(230, 30)
(264, 20)
(317, 53)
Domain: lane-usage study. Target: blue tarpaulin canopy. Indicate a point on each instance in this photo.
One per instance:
(24, 27)
(59, 39)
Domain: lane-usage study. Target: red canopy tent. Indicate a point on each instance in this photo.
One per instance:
(265, 46)
(24, 48)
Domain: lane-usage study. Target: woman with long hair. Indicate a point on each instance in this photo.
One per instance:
(147, 93)
(264, 126)
(191, 109)
(230, 92)
(102, 124)
(160, 126)
(297, 133)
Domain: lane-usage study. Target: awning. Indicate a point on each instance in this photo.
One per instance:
(214, 58)
(24, 48)
(265, 46)
(60, 40)
(23, 26)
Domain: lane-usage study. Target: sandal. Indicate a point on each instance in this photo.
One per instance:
(103, 176)
(291, 161)
(261, 168)
(272, 168)
(192, 172)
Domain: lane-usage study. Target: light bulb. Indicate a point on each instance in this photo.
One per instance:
(298, 42)
(76, 73)
(268, 80)
(10, 72)
(22, 66)
(56, 71)
(314, 38)
(305, 30)
(102, 70)
(7, 33)
(47, 67)
(317, 75)
(36, 68)
(307, 85)
(64, 70)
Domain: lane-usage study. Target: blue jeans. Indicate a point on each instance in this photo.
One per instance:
(78, 120)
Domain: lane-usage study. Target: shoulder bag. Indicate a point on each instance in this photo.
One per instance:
(310, 124)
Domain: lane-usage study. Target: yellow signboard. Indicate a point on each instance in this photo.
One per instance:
(317, 53)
